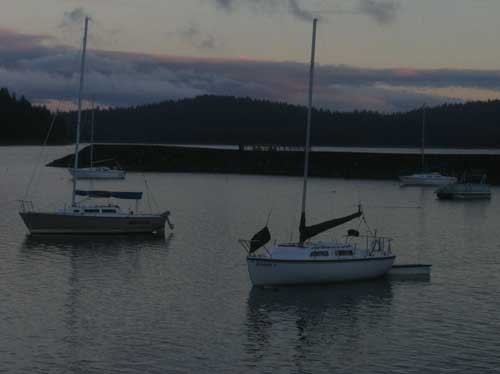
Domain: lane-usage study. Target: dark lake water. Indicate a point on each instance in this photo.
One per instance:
(184, 303)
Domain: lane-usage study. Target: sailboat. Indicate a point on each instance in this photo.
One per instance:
(308, 262)
(78, 218)
(470, 187)
(96, 172)
(422, 178)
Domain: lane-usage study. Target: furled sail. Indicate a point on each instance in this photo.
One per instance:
(260, 239)
(307, 232)
(108, 194)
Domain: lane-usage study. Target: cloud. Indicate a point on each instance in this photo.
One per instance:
(383, 11)
(46, 72)
(74, 17)
(10, 39)
(197, 38)
(299, 12)
(225, 4)
(267, 7)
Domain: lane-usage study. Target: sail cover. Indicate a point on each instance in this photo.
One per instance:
(108, 194)
(259, 239)
(307, 232)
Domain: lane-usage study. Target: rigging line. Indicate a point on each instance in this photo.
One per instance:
(149, 197)
(40, 158)
(366, 224)
(269, 216)
(155, 202)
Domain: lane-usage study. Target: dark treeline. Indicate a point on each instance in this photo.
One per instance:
(23, 123)
(231, 120)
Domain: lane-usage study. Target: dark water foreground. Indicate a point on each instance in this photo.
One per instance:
(343, 164)
(184, 303)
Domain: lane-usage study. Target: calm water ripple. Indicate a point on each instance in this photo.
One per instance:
(184, 304)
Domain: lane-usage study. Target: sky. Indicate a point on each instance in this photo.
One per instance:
(385, 55)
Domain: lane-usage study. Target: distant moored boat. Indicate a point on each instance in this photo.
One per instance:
(100, 172)
(426, 179)
(470, 187)
(422, 178)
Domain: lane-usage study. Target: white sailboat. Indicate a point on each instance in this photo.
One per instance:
(316, 262)
(96, 172)
(80, 218)
(425, 179)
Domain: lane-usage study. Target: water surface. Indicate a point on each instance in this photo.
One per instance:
(184, 303)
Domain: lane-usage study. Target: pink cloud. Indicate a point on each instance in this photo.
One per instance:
(13, 40)
(35, 66)
(406, 72)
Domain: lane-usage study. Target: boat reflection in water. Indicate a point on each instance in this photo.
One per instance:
(89, 288)
(317, 323)
(100, 243)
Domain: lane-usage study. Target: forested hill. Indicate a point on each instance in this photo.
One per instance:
(23, 123)
(231, 120)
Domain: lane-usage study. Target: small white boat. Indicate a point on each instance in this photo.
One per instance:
(312, 263)
(426, 179)
(96, 172)
(101, 172)
(308, 262)
(469, 188)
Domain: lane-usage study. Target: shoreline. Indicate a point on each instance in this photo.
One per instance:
(338, 164)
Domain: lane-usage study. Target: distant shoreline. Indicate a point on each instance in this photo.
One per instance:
(339, 164)
(326, 148)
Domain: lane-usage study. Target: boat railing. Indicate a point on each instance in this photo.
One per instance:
(374, 243)
(246, 244)
(26, 206)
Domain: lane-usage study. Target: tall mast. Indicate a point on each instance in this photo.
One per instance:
(79, 118)
(308, 128)
(422, 151)
(92, 135)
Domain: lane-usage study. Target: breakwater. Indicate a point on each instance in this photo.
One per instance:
(273, 161)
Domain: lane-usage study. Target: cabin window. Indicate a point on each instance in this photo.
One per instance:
(344, 252)
(76, 211)
(109, 211)
(91, 210)
(319, 253)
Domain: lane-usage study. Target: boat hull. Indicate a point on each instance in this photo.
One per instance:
(464, 191)
(464, 196)
(424, 180)
(90, 173)
(274, 272)
(60, 223)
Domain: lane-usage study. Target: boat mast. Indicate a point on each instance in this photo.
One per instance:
(308, 127)
(422, 151)
(92, 136)
(79, 118)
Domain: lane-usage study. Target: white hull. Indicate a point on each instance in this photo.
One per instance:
(97, 173)
(274, 272)
(432, 179)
